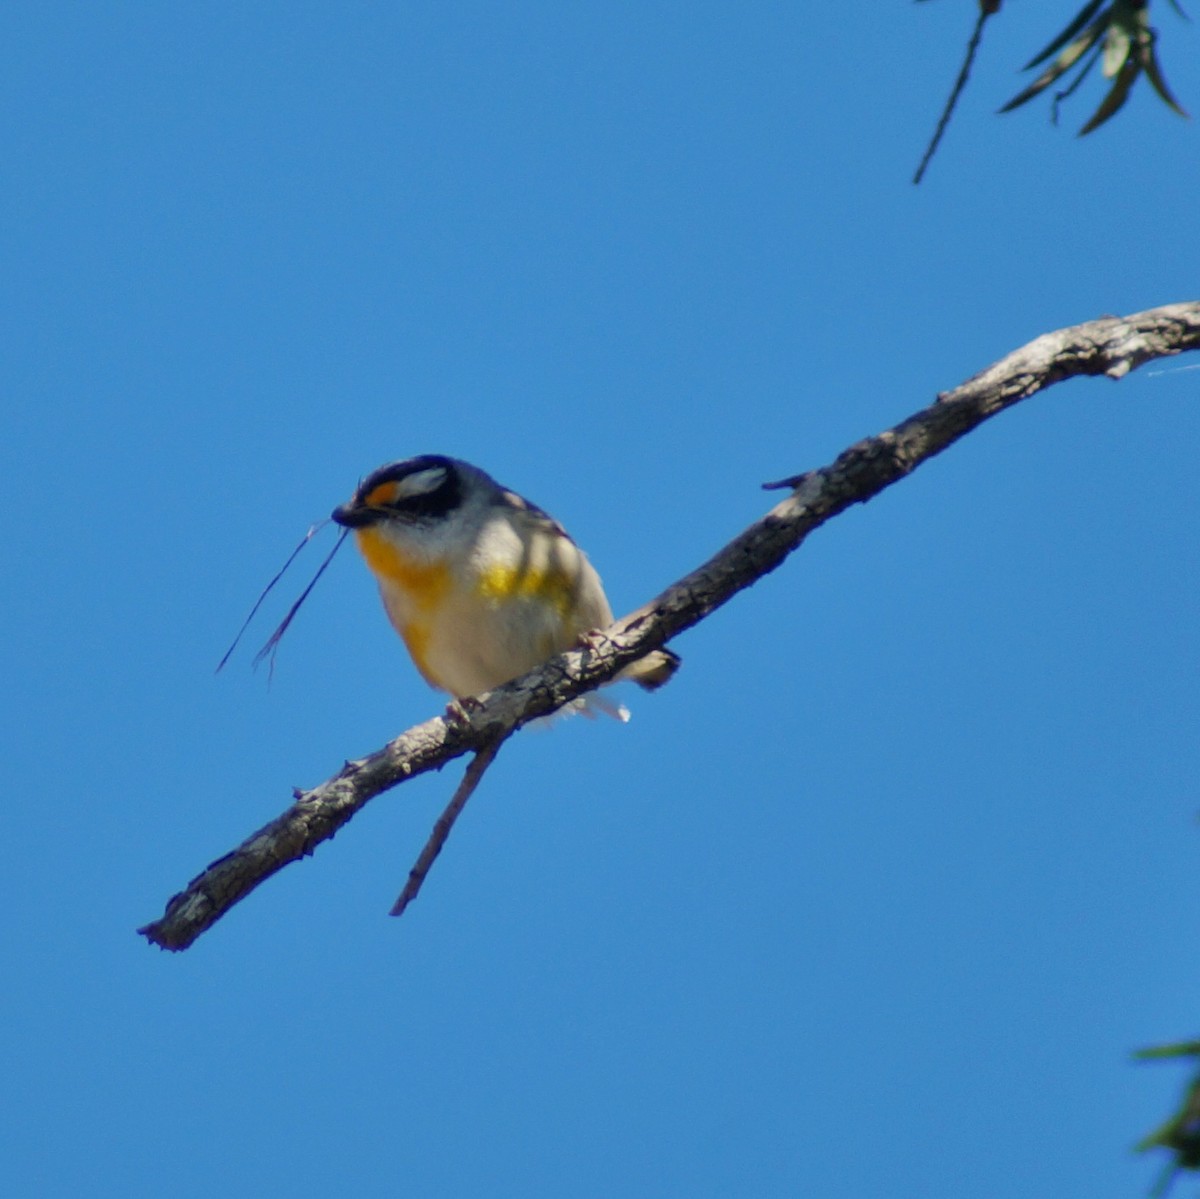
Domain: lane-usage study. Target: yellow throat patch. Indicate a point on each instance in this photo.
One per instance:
(424, 584)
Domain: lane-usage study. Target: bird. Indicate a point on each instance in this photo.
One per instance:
(480, 584)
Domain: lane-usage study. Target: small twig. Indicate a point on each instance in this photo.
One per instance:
(1068, 92)
(445, 822)
(985, 10)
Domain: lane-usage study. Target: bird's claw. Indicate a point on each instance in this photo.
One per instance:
(459, 709)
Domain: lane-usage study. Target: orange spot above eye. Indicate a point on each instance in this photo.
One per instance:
(377, 497)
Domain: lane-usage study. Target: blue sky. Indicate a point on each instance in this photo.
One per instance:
(879, 894)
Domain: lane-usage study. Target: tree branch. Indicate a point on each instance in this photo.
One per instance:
(1109, 346)
(445, 822)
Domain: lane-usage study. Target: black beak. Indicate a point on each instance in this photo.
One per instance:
(351, 517)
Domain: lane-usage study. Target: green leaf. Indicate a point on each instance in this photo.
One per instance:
(1117, 44)
(1065, 61)
(1115, 100)
(1149, 63)
(1177, 1049)
(1085, 14)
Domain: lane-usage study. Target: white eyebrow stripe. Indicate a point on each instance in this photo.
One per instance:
(421, 482)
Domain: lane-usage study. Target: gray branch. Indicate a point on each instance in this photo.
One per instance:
(1110, 346)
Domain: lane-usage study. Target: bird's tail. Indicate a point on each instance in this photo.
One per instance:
(652, 671)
